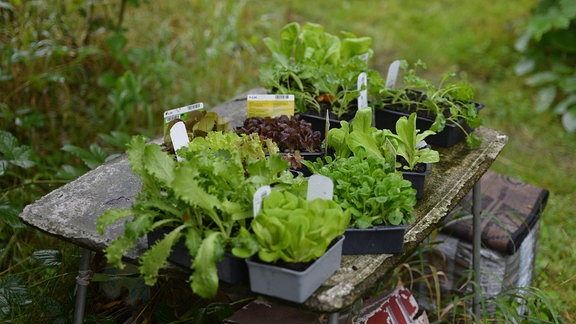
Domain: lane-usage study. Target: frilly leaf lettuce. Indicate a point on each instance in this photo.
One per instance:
(207, 199)
(204, 279)
(156, 256)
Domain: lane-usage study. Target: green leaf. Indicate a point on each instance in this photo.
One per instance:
(111, 216)
(544, 98)
(92, 158)
(395, 217)
(244, 245)
(288, 37)
(133, 230)
(116, 139)
(355, 46)
(135, 152)
(7, 142)
(541, 79)
(563, 106)
(159, 164)
(13, 294)
(359, 140)
(3, 167)
(337, 139)
(189, 190)
(362, 120)
(48, 258)
(14, 154)
(155, 258)
(473, 141)
(9, 215)
(569, 120)
(192, 240)
(204, 279)
(117, 42)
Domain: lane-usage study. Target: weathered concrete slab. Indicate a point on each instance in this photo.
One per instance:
(71, 211)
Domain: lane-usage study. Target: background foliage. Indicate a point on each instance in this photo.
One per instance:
(78, 78)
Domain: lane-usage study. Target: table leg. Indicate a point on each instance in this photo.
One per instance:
(333, 318)
(476, 245)
(82, 282)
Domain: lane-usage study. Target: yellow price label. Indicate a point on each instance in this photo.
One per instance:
(270, 105)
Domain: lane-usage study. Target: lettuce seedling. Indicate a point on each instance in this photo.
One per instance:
(369, 189)
(446, 102)
(407, 139)
(295, 230)
(320, 69)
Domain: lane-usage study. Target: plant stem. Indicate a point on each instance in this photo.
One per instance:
(121, 14)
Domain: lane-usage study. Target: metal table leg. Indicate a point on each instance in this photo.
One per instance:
(476, 245)
(333, 318)
(82, 282)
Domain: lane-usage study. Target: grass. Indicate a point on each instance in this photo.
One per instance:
(180, 52)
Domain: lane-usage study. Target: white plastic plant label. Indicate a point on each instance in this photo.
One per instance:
(326, 130)
(390, 152)
(320, 186)
(179, 137)
(269, 105)
(364, 57)
(363, 88)
(181, 113)
(259, 196)
(420, 145)
(392, 74)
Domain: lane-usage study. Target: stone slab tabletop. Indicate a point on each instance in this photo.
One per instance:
(70, 212)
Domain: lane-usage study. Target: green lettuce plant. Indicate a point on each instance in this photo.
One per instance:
(446, 102)
(406, 141)
(365, 185)
(320, 69)
(295, 230)
(359, 138)
(205, 199)
(364, 171)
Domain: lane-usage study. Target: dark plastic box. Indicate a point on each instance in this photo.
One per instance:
(374, 240)
(230, 270)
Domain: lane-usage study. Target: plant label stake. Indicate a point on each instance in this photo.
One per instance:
(392, 74)
(269, 105)
(179, 137)
(364, 57)
(363, 88)
(181, 113)
(259, 195)
(326, 129)
(320, 186)
(421, 145)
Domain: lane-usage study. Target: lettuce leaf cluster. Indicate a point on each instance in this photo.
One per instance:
(373, 196)
(295, 230)
(206, 199)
